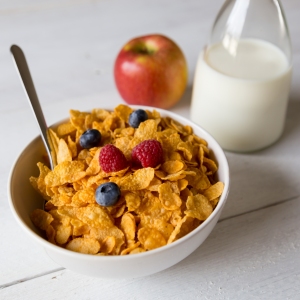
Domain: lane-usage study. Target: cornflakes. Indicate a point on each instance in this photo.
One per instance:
(157, 205)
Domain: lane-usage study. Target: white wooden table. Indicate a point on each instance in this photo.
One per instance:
(253, 252)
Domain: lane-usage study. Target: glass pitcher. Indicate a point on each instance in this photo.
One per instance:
(243, 75)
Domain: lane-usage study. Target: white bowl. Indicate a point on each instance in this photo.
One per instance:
(24, 199)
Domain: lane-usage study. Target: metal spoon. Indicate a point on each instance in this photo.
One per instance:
(23, 70)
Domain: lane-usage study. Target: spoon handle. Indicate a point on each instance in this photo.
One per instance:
(23, 70)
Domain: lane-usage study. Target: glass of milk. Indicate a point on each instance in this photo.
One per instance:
(242, 78)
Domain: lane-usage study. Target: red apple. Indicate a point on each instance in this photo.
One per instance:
(151, 70)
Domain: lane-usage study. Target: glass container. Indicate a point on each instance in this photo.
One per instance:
(243, 75)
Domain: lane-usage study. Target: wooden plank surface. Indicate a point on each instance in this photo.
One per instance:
(253, 256)
(253, 253)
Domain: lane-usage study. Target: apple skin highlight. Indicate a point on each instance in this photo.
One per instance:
(151, 70)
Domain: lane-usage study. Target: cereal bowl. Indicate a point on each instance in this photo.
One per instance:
(24, 201)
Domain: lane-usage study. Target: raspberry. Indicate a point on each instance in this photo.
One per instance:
(112, 159)
(148, 153)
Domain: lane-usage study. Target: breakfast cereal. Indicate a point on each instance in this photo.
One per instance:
(153, 206)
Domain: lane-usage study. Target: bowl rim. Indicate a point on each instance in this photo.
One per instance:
(47, 245)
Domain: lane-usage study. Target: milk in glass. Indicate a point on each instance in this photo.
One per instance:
(241, 99)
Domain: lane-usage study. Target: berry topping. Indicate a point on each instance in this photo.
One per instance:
(137, 117)
(107, 194)
(148, 153)
(90, 138)
(112, 159)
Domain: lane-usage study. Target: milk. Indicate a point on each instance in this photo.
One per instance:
(241, 101)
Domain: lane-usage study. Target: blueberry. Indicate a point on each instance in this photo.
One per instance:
(137, 117)
(107, 194)
(90, 138)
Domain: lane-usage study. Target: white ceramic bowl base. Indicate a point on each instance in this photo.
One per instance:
(24, 199)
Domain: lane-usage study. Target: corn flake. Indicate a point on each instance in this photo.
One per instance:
(84, 245)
